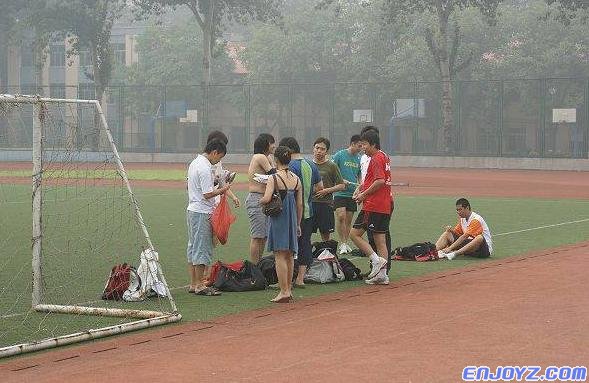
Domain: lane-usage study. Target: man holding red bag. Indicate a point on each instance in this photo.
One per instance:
(201, 205)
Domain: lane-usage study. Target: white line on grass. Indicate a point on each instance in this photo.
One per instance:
(525, 230)
(28, 202)
(541, 227)
(354, 258)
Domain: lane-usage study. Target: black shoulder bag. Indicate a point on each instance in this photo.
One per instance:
(274, 207)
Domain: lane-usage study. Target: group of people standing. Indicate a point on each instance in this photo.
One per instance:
(314, 193)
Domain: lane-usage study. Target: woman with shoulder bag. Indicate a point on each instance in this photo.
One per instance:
(285, 226)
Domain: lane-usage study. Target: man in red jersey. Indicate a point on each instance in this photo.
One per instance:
(375, 196)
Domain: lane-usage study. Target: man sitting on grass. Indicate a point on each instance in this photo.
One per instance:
(471, 236)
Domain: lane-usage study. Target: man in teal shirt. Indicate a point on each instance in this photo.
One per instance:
(348, 162)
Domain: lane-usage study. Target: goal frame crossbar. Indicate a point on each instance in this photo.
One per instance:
(147, 318)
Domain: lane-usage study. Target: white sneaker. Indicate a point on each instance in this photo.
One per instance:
(378, 280)
(344, 248)
(376, 267)
(441, 254)
(450, 256)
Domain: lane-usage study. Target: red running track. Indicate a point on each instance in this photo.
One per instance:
(528, 310)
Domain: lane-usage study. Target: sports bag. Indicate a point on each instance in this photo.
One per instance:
(248, 278)
(318, 247)
(118, 281)
(351, 272)
(267, 266)
(216, 268)
(274, 207)
(148, 282)
(324, 269)
(420, 252)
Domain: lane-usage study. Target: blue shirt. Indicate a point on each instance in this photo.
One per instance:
(349, 167)
(309, 175)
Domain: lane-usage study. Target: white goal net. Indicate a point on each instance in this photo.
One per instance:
(57, 248)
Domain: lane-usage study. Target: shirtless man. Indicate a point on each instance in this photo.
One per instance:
(260, 163)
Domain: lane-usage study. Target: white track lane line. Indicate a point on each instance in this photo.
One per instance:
(354, 258)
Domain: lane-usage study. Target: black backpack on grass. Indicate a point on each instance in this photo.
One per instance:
(420, 252)
(351, 272)
(248, 278)
(267, 266)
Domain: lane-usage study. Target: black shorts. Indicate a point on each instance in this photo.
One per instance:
(481, 252)
(323, 219)
(346, 202)
(371, 221)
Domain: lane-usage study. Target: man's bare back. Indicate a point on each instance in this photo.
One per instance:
(259, 164)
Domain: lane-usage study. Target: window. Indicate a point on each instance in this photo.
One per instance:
(27, 58)
(57, 91)
(57, 55)
(119, 53)
(85, 58)
(111, 95)
(28, 89)
(86, 92)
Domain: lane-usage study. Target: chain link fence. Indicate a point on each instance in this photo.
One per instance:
(508, 118)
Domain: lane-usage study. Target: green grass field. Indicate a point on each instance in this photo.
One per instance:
(416, 219)
(133, 174)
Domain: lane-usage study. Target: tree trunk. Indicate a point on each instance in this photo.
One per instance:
(39, 66)
(447, 107)
(444, 67)
(206, 68)
(99, 88)
(3, 65)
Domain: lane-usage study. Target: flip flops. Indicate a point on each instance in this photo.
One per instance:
(208, 292)
(288, 299)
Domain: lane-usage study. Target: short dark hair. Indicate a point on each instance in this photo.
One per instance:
(262, 143)
(282, 155)
(369, 128)
(217, 135)
(463, 202)
(291, 143)
(355, 138)
(217, 145)
(371, 137)
(322, 140)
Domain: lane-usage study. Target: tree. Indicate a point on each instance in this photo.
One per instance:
(88, 25)
(212, 16)
(168, 55)
(443, 42)
(20, 21)
(324, 46)
(167, 58)
(568, 10)
(10, 17)
(518, 46)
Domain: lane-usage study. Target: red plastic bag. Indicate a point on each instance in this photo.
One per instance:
(222, 219)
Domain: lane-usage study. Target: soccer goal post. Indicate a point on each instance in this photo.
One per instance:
(85, 220)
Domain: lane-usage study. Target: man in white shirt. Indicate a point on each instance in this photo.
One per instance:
(201, 203)
(471, 236)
